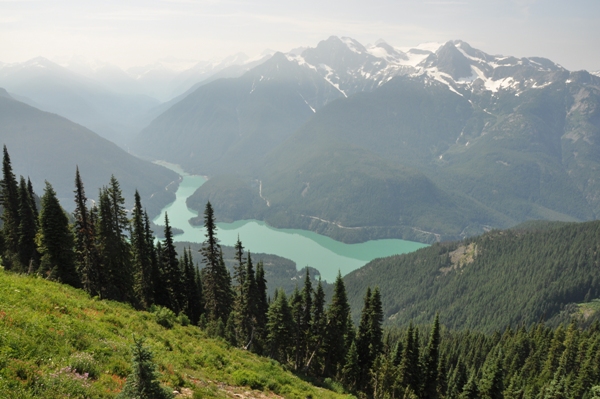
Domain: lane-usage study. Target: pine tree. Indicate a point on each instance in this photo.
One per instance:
(193, 293)
(318, 326)
(27, 251)
(143, 382)
(218, 296)
(249, 297)
(56, 241)
(171, 272)
(239, 270)
(409, 371)
(363, 341)
(352, 372)
(162, 295)
(280, 328)
(262, 308)
(113, 244)
(86, 254)
(141, 256)
(431, 362)
(337, 329)
(9, 199)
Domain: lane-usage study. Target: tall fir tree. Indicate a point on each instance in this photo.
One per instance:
(56, 241)
(262, 307)
(318, 326)
(280, 328)
(218, 295)
(409, 371)
(141, 256)
(9, 198)
(27, 250)
(114, 246)
(86, 254)
(431, 361)
(172, 271)
(337, 329)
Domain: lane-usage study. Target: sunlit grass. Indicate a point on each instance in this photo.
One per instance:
(56, 341)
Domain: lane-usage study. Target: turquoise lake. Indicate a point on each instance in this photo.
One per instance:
(303, 247)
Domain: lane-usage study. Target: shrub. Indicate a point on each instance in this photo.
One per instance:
(165, 317)
(84, 364)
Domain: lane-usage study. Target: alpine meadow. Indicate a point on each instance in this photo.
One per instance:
(262, 200)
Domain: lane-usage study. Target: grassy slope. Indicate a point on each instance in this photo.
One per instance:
(45, 327)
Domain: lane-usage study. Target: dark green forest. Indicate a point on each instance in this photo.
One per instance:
(438, 347)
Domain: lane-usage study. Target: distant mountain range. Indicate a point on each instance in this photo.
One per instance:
(430, 143)
(45, 146)
(112, 102)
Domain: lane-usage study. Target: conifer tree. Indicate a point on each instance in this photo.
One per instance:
(162, 296)
(262, 308)
(33, 198)
(113, 244)
(86, 255)
(431, 361)
(351, 372)
(239, 270)
(409, 371)
(55, 241)
(337, 329)
(171, 272)
(249, 297)
(363, 341)
(27, 251)
(280, 328)
(143, 382)
(141, 256)
(318, 325)
(9, 199)
(218, 295)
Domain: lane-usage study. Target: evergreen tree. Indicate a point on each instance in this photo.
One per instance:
(143, 382)
(351, 372)
(363, 341)
(318, 326)
(171, 270)
(55, 241)
(262, 308)
(239, 269)
(33, 198)
(162, 296)
(86, 254)
(218, 295)
(27, 251)
(155, 267)
(193, 292)
(491, 384)
(409, 371)
(9, 199)
(141, 256)
(249, 297)
(337, 329)
(280, 328)
(431, 362)
(113, 245)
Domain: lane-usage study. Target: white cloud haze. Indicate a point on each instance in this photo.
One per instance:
(137, 32)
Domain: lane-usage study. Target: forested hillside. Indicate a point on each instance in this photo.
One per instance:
(502, 278)
(57, 341)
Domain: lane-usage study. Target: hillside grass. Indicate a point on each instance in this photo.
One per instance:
(51, 335)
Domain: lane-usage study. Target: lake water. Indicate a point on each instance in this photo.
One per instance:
(303, 247)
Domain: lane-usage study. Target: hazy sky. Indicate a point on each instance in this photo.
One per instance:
(138, 32)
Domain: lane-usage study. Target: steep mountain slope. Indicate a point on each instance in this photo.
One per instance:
(46, 146)
(512, 277)
(504, 139)
(115, 116)
(225, 125)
